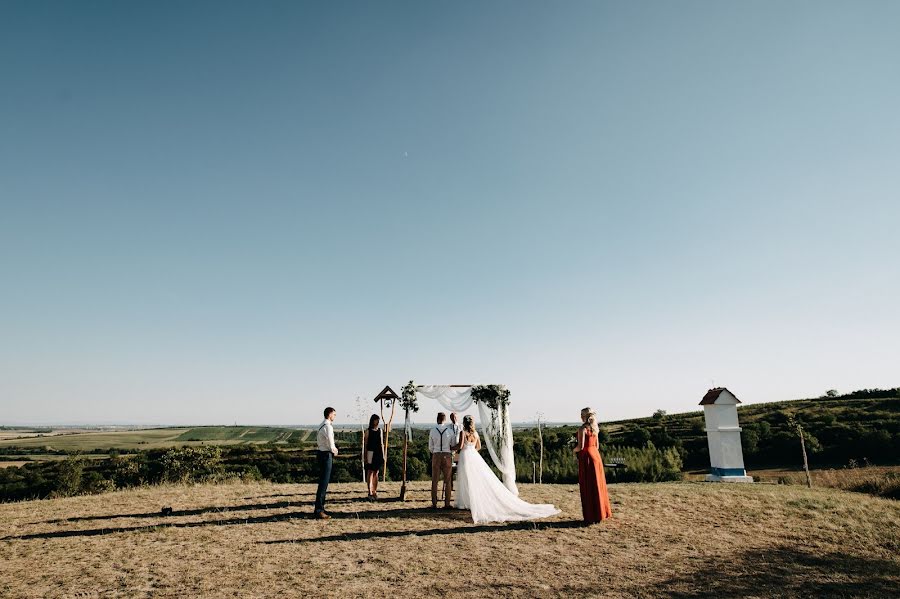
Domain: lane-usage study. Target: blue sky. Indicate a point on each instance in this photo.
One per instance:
(218, 212)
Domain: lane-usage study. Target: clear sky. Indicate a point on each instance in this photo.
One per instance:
(218, 212)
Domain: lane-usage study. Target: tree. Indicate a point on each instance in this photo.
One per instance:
(659, 414)
(831, 393)
(636, 436)
(68, 481)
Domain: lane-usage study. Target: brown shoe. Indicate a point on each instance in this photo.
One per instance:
(321, 516)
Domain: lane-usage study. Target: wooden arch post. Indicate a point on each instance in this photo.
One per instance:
(387, 395)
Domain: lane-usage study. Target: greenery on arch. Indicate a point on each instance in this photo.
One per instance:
(408, 399)
(495, 397)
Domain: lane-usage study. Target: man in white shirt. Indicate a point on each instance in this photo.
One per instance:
(440, 444)
(454, 457)
(456, 426)
(325, 452)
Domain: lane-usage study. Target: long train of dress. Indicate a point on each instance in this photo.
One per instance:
(478, 489)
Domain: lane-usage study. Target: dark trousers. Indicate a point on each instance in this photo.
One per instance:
(325, 459)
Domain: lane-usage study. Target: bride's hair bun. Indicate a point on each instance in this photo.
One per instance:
(469, 424)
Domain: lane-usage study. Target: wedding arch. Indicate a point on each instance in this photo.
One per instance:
(494, 422)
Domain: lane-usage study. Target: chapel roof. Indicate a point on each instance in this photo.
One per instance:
(713, 394)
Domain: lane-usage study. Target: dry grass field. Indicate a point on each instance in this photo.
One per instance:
(148, 438)
(883, 481)
(878, 480)
(257, 540)
(92, 440)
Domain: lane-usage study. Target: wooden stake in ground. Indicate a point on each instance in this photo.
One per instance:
(541, 439)
(405, 449)
(805, 462)
(799, 428)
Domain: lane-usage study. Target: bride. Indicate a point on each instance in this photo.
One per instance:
(479, 490)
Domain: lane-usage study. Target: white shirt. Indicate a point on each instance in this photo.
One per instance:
(457, 429)
(440, 439)
(325, 437)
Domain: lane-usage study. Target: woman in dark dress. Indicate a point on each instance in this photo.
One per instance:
(374, 456)
(591, 478)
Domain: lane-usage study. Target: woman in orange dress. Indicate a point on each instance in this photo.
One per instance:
(591, 478)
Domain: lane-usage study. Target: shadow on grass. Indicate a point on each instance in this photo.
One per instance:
(211, 510)
(176, 513)
(389, 534)
(405, 513)
(785, 571)
(306, 493)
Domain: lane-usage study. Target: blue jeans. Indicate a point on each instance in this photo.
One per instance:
(325, 458)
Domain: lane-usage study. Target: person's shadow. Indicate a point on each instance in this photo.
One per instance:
(388, 534)
(410, 513)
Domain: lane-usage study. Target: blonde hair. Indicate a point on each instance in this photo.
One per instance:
(590, 419)
(469, 424)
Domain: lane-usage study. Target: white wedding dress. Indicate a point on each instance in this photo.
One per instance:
(478, 489)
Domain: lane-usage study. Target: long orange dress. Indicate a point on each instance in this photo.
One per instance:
(592, 481)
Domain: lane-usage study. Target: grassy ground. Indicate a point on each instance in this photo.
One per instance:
(256, 540)
(877, 480)
(882, 481)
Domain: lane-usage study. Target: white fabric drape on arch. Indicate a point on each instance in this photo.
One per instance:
(459, 399)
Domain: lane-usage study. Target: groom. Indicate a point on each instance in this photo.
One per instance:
(440, 443)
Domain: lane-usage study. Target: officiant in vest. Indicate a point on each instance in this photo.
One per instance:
(440, 443)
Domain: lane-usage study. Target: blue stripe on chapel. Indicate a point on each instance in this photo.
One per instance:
(728, 471)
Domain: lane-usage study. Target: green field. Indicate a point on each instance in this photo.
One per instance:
(157, 438)
(92, 441)
(238, 434)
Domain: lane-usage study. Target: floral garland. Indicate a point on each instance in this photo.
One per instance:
(408, 399)
(496, 397)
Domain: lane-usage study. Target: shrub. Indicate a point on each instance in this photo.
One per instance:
(68, 477)
(191, 464)
(644, 464)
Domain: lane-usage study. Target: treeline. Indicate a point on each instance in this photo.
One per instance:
(860, 427)
(78, 474)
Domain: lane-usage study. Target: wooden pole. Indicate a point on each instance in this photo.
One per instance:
(387, 434)
(541, 469)
(805, 462)
(362, 453)
(405, 449)
(383, 443)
